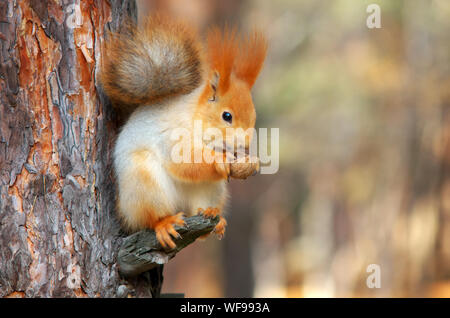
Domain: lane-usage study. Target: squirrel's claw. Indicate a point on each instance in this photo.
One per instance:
(165, 230)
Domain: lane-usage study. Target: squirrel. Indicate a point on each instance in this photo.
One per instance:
(167, 77)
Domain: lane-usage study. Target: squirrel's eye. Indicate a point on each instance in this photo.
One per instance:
(227, 117)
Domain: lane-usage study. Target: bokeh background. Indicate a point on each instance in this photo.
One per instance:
(364, 178)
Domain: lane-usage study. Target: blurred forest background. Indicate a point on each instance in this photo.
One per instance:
(364, 119)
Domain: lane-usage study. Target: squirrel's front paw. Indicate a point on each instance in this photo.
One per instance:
(242, 169)
(164, 229)
(223, 169)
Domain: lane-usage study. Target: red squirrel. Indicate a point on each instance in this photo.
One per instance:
(167, 77)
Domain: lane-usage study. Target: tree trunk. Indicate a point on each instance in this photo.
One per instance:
(58, 232)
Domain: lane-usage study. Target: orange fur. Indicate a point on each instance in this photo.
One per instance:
(194, 172)
(252, 54)
(197, 172)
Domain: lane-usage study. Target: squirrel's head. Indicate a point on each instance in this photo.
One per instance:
(226, 102)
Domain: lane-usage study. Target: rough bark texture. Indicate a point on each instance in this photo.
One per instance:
(58, 231)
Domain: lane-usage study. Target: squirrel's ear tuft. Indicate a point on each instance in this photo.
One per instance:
(251, 56)
(227, 54)
(222, 51)
(214, 85)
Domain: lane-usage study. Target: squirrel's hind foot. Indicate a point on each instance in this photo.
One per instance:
(165, 230)
(219, 230)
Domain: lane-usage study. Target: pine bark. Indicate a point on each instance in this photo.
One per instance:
(59, 236)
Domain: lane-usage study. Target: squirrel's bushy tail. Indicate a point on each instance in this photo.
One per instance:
(147, 64)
